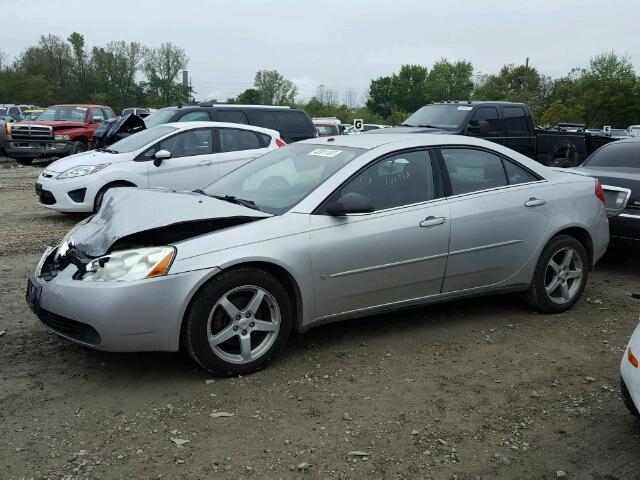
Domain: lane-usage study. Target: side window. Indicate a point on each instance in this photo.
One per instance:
(489, 114)
(402, 179)
(14, 111)
(196, 116)
(515, 120)
(230, 116)
(189, 143)
(232, 140)
(516, 174)
(97, 115)
(107, 113)
(473, 170)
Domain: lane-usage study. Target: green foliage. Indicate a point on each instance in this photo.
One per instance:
(274, 89)
(163, 67)
(448, 81)
(558, 112)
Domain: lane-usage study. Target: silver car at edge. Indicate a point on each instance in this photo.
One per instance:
(319, 231)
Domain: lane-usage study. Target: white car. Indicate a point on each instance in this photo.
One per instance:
(631, 374)
(180, 156)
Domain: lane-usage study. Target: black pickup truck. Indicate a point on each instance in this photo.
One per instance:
(509, 124)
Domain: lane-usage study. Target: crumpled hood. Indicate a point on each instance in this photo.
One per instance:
(129, 211)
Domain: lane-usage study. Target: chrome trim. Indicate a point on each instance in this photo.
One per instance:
(387, 265)
(468, 194)
(629, 215)
(485, 247)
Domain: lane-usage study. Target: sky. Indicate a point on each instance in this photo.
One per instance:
(339, 44)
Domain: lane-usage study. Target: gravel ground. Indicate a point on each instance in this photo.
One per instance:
(483, 388)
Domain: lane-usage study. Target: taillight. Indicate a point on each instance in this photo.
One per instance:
(280, 143)
(599, 191)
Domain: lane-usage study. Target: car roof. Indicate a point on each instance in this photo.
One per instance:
(83, 105)
(370, 142)
(238, 126)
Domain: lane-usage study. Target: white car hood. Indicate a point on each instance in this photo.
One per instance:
(92, 157)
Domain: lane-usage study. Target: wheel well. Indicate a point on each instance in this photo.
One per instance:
(280, 273)
(117, 183)
(583, 237)
(81, 139)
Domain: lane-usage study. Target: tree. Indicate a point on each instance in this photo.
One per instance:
(80, 71)
(274, 88)
(381, 96)
(349, 98)
(449, 81)
(250, 96)
(558, 112)
(408, 87)
(162, 67)
(116, 65)
(52, 60)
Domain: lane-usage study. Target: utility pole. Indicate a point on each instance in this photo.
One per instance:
(185, 84)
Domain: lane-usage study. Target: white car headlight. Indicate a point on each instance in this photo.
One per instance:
(62, 137)
(128, 265)
(81, 170)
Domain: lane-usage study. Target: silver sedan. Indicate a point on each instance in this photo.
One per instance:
(316, 232)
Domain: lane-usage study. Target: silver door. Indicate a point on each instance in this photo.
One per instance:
(386, 257)
(496, 230)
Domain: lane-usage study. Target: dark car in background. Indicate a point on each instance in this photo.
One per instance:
(617, 166)
(292, 123)
(506, 123)
(140, 112)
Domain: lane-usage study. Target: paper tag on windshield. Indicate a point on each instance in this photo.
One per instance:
(82, 108)
(465, 108)
(324, 152)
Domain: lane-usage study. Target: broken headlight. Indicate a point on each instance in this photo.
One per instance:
(128, 265)
(67, 241)
(82, 170)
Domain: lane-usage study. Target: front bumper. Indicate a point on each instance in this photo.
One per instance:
(37, 148)
(69, 194)
(625, 226)
(631, 374)
(143, 315)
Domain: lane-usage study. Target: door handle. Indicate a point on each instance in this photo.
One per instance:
(534, 202)
(203, 163)
(432, 221)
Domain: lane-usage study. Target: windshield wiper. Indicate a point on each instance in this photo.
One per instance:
(236, 200)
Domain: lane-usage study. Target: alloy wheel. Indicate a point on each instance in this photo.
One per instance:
(563, 275)
(243, 324)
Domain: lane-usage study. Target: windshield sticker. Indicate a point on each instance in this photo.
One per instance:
(82, 109)
(465, 108)
(324, 152)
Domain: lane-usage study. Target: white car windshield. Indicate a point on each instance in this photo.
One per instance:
(140, 140)
(280, 179)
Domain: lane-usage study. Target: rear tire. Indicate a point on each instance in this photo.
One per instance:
(626, 398)
(560, 276)
(238, 322)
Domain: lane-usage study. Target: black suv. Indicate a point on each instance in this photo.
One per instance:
(292, 123)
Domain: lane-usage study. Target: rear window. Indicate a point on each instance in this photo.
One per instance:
(282, 120)
(623, 154)
(159, 117)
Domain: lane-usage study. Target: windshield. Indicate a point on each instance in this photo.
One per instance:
(280, 179)
(440, 116)
(141, 139)
(159, 117)
(3, 111)
(327, 129)
(64, 114)
(623, 154)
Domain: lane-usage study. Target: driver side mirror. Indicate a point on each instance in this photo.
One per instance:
(350, 203)
(97, 119)
(160, 156)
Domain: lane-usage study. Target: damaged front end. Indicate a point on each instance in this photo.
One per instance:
(133, 235)
(114, 129)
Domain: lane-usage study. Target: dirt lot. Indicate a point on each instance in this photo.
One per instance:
(479, 389)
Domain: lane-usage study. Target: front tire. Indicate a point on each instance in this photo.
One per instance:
(79, 146)
(560, 276)
(626, 398)
(238, 322)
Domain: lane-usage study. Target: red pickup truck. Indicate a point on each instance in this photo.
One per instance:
(60, 130)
